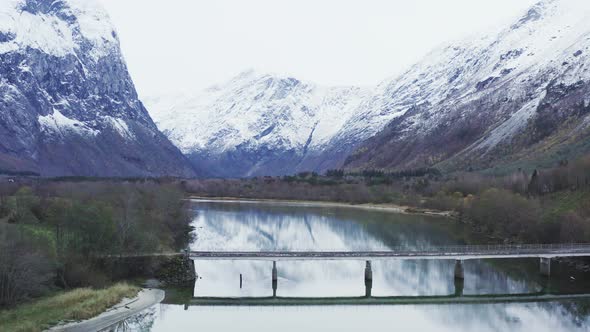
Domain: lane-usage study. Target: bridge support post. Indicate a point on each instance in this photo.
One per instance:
(368, 279)
(275, 278)
(459, 286)
(459, 273)
(545, 266)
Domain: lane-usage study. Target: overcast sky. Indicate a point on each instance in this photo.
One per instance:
(183, 45)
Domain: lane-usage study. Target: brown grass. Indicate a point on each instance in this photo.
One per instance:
(75, 305)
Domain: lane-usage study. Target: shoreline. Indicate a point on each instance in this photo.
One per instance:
(387, 207)
(146, 298)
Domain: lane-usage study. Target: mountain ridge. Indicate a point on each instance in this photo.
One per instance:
(269, 124)
(483, 103)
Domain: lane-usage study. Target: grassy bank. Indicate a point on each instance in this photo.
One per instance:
(78, 304)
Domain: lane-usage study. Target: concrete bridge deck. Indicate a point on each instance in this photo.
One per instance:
(447, 252)
(545, 253)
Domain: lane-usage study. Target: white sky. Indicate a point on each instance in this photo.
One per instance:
(174, 46)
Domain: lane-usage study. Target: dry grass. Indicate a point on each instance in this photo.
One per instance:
(79, 304)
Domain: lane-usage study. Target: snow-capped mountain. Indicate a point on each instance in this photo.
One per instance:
(522, 93)
(67, 103)
(519, 93)
(256, 124)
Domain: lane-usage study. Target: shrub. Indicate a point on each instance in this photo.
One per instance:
(24, 271)
(573, 228)
(505, 213)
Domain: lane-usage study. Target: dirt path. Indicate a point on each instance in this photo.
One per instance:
(127, 308)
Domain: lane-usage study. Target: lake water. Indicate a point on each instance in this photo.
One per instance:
(281, 226)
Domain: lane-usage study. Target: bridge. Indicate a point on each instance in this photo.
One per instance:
(457, 253)
(446, 252)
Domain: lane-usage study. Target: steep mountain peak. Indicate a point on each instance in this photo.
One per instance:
(553, 13)
(535, 13)
(58, 27)
(255, 116)
(267, 79)
(250, 74)
(67, 103)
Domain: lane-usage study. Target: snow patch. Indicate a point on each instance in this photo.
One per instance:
(121, 127)
(58, 123)
(510, 127)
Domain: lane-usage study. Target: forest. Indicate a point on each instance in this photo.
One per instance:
(51, 231)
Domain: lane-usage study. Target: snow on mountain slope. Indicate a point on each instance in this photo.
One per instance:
(255, 124)
(467, 103)
(484, 97)
(67, 103)
(48, 26)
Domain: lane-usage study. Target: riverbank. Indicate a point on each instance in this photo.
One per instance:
(388, 207)
(74, 305)
(125, 309)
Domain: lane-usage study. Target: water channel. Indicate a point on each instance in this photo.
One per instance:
(282, 226)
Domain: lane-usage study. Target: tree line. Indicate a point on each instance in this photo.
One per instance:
(543, 206)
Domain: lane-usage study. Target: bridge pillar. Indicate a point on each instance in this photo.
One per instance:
(368, 279)
(459, 273)
(275, 278)
(545, 266)
(459, 286)
(368, 272)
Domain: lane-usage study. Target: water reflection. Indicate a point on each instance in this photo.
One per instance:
(530, 317)
(234, 226)
(229, 226)
(143, 321)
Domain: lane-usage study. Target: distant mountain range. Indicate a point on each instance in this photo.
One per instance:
(259, 124)
(518, 97)
(67, 103)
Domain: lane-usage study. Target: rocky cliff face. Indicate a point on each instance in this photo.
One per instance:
(518, 95)
(67, 103)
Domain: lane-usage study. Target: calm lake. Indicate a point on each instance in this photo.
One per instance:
(283, 226)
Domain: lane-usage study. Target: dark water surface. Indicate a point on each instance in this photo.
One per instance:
(279, 226)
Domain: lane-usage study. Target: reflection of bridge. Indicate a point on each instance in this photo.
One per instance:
(390, 300)
(457, 253)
